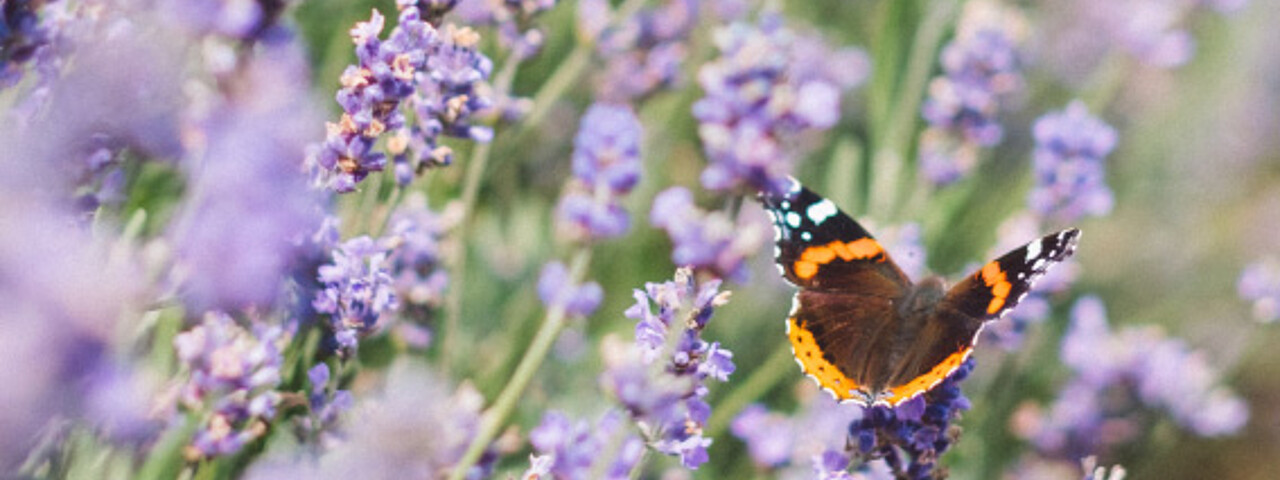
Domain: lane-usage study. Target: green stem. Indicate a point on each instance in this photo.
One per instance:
(773, 369)
(892, 148)
(458, 253)
(496, 417)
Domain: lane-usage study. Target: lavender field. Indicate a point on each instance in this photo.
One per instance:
(539, 239)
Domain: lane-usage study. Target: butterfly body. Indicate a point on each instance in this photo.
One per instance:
(863, 330)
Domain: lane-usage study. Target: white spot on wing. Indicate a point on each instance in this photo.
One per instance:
(806, 236)
(793, 219)
(1033, 251)
(821, 211)
(795, 306)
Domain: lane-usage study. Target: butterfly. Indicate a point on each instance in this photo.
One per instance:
(861, 328)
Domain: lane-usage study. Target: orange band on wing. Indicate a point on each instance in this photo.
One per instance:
(811, 258)
(929, 380)
(809, 355)
(995, 278)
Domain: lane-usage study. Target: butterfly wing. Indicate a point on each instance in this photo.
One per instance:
(821, 248)
(949, 333)
(832, 335)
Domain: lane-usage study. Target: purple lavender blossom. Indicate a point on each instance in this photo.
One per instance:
(415, 425)
(705, 241)
(1260, 283)
(768, 435)
(237, 236)
(22, 35)
(606, 166)
(1119, 379)
(668, 402)
(416, 265)
(232, 376)
(569, 450)
(358, 291)
(911, 437)
(981, 68)
(795, 445)
(432, 72)
(643, 53)
(327, 405)
(556, 291)
(768, 88)
(513, 19)
(1068, 163)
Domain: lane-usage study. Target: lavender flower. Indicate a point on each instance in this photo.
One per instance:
(768, 88)
(416, 265)
(232, 376)
(644, 52)
(705, 241)
(327, 405)
(434, 73)
(606, 166)
(237, 236)
(512, 19)
(797, 444)
(911, 437)
(664, 389)
(1069, 171)
(22, 35)
(981, 69)
(415, 425)
(570, 450)
(1115, 374)
(1260, 283)
(358, 291)
(556, 291)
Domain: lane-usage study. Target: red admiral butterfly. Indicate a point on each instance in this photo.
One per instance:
(860, 328)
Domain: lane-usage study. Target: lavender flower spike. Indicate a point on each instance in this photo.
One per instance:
(1070, 176)
(606, 166)
(1260, 283)
(358, 291)
(705, 241)
(667, 402)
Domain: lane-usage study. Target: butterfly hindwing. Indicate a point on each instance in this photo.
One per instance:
(820, 247)
(832, 336)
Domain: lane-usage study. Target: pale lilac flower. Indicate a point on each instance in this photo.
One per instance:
(569, 450)
(416, 265)
(606, 166)
(1260, 283)
(705, 241)
(644, 52)
(231, 375)
(663, 386)
(513, 20)
(416, 425)
(788, 444)
(1069, 165)
(556, 291)
(981, 69)
(236, 237)
(769, 87)
(321, 425)
(1119, 378)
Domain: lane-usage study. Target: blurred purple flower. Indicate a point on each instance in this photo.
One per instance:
(327, 406)
(513, 19)
(792, 444)
(416, 426)
(769, 436)
(1115, 374)
(555, 290)
(22, 34)
(247, 207)
(1260, 283)
(433, 73)
(643, 53)
(768, 87)
(1069, 168)
(919, 430)
(606, 166)
(667, 402)
(416, 265)
(232, 378)
(705, 241)
(358, 291)
(568, 450)
(981, 68)
(234, 19)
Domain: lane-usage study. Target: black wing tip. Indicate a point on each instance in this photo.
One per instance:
(1067, 240)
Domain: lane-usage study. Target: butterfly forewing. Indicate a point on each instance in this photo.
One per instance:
(819, 247)
(1000, 284)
